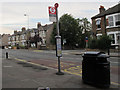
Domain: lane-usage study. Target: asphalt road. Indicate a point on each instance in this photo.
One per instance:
(51, 55)
(70, 62)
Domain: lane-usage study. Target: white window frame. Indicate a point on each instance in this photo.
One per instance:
(115, 36)
(99, 35)
(98, 24)
(114, 21)
(13, 38)
(117, 20)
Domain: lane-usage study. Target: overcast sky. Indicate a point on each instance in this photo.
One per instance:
(12, 12)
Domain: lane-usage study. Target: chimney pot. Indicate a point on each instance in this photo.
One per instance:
(101, 9)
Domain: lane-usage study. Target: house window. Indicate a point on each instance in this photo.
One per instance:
(98, 36)
(112, 38)
(98, 23)
(22, 36)
(110, 21)
(118, 38)
(117, 20)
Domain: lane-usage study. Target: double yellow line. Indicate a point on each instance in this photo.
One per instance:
(65, 70)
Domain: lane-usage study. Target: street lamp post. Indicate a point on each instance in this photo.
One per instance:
(28, 19)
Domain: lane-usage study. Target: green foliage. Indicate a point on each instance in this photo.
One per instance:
(22, 47)
(103, 43)
(92, 43)
(54, 33)
(71, 30)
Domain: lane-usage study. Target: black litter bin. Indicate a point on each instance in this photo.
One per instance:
(96, 69)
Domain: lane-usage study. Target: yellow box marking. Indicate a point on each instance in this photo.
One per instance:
(72, 70)
(37, 50)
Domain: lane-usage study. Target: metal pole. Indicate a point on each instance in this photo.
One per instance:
(57, 22)
(59, 69)
(6, 55)
(28, 21)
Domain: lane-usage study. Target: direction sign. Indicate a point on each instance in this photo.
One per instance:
(86, 39)
(52, 14)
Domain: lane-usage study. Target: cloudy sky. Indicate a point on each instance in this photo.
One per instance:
(12, 12)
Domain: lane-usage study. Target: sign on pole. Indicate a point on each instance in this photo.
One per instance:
(52, 14)
(86, 39)
(58, 46)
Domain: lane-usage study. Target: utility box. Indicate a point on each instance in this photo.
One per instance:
(96, 69)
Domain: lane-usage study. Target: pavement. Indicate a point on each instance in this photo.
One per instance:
(25, 74)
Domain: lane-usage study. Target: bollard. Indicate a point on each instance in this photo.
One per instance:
(108, 51)
(6, 55)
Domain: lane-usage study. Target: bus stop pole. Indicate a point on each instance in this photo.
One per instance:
(58, 35)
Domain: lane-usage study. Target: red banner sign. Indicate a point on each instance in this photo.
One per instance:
(52, 10)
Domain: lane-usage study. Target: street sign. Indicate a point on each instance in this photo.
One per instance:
(56, 5)
(86, 39)
(58, 46)
(52, 14)
(64, 41)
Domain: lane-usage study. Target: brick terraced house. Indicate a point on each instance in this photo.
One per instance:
(24, 37)
(108, 22)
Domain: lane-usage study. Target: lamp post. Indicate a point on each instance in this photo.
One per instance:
(28, 19)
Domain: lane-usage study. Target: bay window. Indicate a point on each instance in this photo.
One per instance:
(110, 21)
(117, 20)
(113, 20)
(98, 24)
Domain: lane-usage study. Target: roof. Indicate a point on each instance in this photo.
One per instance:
(112, 10)
(47, 26)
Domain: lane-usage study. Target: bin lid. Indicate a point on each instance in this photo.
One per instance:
(103, 56)
(92, 54)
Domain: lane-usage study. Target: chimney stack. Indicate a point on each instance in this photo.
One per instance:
(15, 31)
(38, 25)
(23, 29)
(101, 9)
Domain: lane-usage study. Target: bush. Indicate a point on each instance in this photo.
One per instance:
(22, 47)
(92, 43)
(103, 43)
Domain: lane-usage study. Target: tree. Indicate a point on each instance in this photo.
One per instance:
(35, 39)
(69, 30)
(84, 24)
(54, 33)
(85, 27)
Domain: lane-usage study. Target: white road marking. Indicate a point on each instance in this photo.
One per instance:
(113, 62)
(7, 66)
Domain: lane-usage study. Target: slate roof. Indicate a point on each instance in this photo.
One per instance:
(112, 10)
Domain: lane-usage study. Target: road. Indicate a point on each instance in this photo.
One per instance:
(70, 62)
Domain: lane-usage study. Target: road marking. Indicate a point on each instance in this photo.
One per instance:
(33, 63)
(65, 70)
(37, 50)
(113, 62)
(72, 72)
(20, 60)
(77, 70)
(115, 83)
(7, 66)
